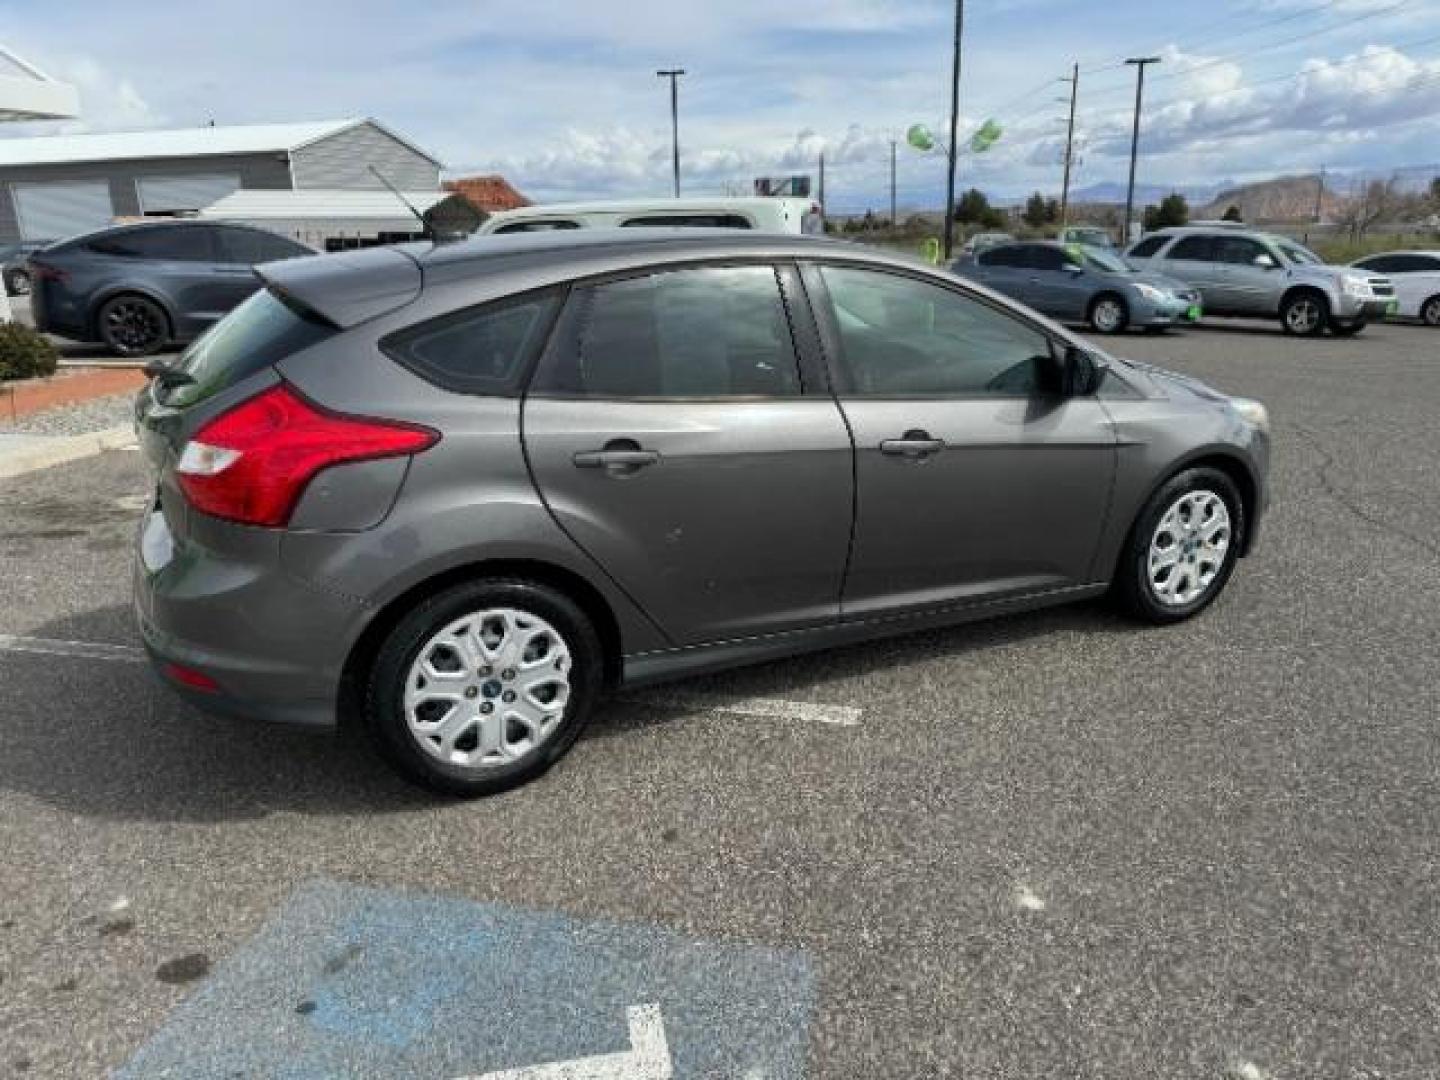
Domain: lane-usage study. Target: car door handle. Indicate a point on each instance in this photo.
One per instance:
(621, 456)
(913, 444)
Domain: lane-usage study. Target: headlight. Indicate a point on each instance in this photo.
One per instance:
(1254, 413)
(1149, 292)
(1355, 286)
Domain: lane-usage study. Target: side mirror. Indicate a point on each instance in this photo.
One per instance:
(1265, 262)
(1074, 268)
(1081, 372)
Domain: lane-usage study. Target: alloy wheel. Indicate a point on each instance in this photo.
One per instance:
(1109, 316)
(488, 689)
(1189, 547)
(1303, 316)
(1431, 313)
(133, 325)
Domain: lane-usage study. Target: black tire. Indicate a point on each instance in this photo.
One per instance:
(1430, 311)
(1132, 586)
(1348, 329)
(383, 708)
(1295, 317)
(132, 325)
(17, 282)
(1102, 322)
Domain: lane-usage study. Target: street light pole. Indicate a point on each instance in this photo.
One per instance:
(1074, 82)
(893, 223)
(954, 130)
(1140, 62)
(673, 74)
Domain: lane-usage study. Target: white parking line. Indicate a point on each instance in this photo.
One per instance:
(85, 650)
(766, 708)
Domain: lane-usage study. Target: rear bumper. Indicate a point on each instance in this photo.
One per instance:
(272, 646)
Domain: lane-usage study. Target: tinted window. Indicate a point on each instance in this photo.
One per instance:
(189, 244)
(478, 351)
(538, 226)
(261, 331)
(709, 332)
(900, 337)
(1199, 248)
(687, 221)
(1148, 247)
(1238, 251)
(1380, 264)
(251, 246)
(1010, 255)
(1048, 258)
(1401, 264)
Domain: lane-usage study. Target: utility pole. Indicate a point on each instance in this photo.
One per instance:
(1320, 197)
(1074, 82)
(954, 130)
(673, 74)
(1140, 62)
(822, 181)
(894, 224)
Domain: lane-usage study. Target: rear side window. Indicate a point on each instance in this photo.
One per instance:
(188, 244)
(1148, 247)
(710, 332)
(1197, 248)
(556, 225)
(260, 332)
(687, 221)
(482, 350)
(251, 246)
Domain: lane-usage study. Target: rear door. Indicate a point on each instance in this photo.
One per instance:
(1192, 260)
(676, 438)
(1004, 269)
(975, 479)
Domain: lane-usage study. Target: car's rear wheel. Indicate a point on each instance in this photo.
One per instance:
(132, 325)
(17, 282)
(483, 686)
(1430, 311)
(1182, 548)
(1109, 314)
(1305, 314)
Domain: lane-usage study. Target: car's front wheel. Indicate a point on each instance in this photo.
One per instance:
(1430, 311)
(483, 686)
(1108, 314)
(1305, 314)
(132, 325)
(1182, 548)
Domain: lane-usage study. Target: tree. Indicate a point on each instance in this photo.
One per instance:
(1232, 214)
(1172, 211)
(1052, 210)
(972, 207)
(1036, 212)
(1380, 200)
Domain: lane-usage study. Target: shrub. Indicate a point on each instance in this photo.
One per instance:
(24, 354)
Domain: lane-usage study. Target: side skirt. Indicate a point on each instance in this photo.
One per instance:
(643, 669)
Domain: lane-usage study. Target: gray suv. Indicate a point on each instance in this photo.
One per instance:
(1245, 273)
(453, 494)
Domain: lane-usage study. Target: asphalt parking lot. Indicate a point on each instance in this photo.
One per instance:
(1057, 845)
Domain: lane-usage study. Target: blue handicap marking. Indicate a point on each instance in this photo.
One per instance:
(347, 981)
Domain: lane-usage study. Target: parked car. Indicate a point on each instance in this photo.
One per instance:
(1080, 284)
(980, 241)
(13, 268)
(1416, 275)
(1241, 272)
(778, 214)
(137, 288)
(456, 493)
(1089, 235)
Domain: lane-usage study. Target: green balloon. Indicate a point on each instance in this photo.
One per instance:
(985, 137)
(920, 138)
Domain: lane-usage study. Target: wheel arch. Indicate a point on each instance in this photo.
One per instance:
(1110, 294)
(1433, 298)
(1306, 287)
(1232, 465)
(591, 601)
(111, 292)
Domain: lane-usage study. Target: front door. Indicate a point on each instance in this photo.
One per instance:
(1060, 285)
(1253, 280)
(975, 478)
(673, 438)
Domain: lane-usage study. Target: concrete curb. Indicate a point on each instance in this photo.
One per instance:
(47, 451)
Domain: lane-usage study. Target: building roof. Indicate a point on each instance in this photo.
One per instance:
(27, 93)
(262, 204)
(488, 193)
(180, 142)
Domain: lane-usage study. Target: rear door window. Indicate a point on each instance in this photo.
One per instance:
(251, 246)
(709, 332)
(260, 332)
(687, 221)
(171, 243)
(482, 350)
(553, 225)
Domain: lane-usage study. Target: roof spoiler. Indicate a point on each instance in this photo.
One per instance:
(347, 288)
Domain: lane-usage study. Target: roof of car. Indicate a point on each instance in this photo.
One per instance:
(687, 204)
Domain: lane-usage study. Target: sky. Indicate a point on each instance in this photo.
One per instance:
(561, 96)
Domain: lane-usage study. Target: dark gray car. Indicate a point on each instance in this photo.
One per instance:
(1082, 284)
(137, 288)
(455, 494)
(13, 268)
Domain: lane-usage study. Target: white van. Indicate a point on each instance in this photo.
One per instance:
(764, 214)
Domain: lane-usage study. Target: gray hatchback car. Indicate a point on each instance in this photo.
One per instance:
(457, 493)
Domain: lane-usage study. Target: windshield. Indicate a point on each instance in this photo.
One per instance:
(1301, 256)
(1096, 259)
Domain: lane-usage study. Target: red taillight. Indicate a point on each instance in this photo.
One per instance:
(251, 464)
(195, 680)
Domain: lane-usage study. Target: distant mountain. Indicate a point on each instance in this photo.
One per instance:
(1111, 191)
(1285, 198)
